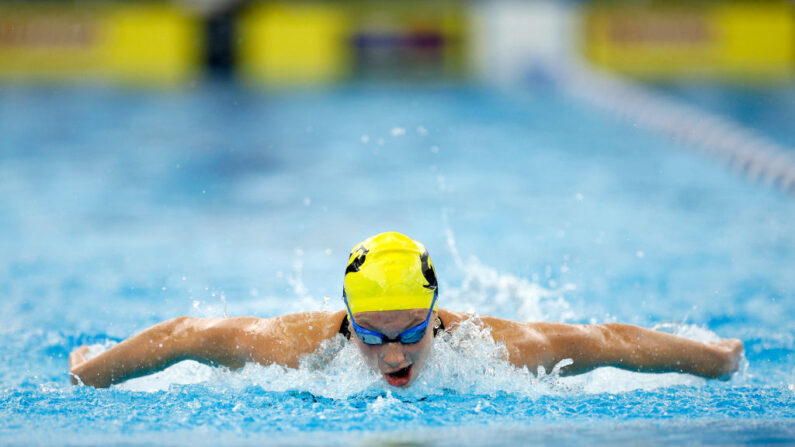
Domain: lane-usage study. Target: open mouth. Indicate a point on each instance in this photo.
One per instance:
(399, 377)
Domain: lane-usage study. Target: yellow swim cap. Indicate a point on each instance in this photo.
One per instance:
(389, 271)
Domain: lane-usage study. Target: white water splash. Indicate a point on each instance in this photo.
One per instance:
(486, 291)
(213, 306)
(382, 404)
(468, 361)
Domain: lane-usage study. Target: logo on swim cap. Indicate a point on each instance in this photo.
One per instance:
(389, 271)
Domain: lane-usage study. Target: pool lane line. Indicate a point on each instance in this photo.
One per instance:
(743, 149)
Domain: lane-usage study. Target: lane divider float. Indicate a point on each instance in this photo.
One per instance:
(743, 149)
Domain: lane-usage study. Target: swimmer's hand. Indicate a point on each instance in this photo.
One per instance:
(77, 358)
(731, 349)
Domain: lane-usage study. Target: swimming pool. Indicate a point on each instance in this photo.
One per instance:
(122, 208)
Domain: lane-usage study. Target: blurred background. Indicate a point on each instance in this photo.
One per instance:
(280, 44)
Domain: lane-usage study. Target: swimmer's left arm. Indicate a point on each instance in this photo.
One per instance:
(620, 345)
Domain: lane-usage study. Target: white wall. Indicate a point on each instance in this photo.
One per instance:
(514, 39)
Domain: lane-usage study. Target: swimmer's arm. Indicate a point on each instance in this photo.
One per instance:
(620, 345)
(229, 342)
(157, 348)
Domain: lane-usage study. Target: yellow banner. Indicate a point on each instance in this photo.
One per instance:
(293, 43)
(715, 39)
(137, 42)
(287, 43)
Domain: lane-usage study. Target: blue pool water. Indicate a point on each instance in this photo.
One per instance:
(122, 208)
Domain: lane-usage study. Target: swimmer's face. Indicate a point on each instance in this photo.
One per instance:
(399, 363)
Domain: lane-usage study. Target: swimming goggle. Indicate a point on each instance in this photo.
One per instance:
(407, 337)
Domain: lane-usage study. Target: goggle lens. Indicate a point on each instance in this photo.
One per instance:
(413, 336)
(370, 339)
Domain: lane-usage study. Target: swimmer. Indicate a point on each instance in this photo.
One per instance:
(391, 314)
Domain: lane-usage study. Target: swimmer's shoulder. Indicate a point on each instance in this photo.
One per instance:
(309, 327)
(451, 319)
(318, 325)
(283, 339)
(501, 328)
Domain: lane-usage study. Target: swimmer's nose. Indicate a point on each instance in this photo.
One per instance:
(392, 355)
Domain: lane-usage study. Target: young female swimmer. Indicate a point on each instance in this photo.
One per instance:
(390, 293)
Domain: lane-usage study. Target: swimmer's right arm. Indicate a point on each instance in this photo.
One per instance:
(229, 342)
(613, 344)
(620, 345)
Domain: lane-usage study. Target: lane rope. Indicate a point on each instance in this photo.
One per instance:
(743, 149)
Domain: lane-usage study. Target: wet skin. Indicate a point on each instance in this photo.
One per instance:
(398, 362)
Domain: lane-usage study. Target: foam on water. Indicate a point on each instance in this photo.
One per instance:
(487, 291)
